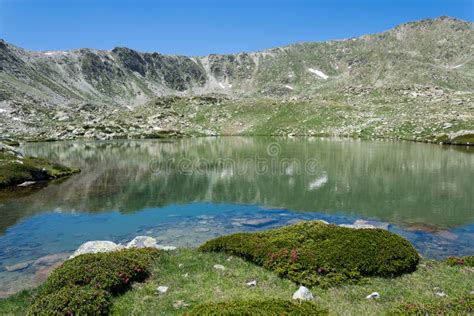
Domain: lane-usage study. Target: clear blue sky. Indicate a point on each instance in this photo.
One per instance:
(203, 27)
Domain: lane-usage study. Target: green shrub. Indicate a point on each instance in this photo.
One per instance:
(86, 282)
(258, 307)
(72, 300)
(458, 306)
(313, 253)
(467, 261)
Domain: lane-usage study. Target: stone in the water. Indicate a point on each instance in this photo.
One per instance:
(303, 294)
(202, 230)
(219, 267)
(373, 295)
(252, 283)
(96, 246)
(259, 222)
(162, 289)
(53, 259)
(19, 266)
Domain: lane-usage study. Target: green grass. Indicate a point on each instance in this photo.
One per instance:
(192, 279)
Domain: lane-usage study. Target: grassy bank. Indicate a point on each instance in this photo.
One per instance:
(16, 168)
(193, 280)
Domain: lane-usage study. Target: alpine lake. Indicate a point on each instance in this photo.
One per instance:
(186, 191)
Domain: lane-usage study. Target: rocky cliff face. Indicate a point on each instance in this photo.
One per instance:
(426, 60)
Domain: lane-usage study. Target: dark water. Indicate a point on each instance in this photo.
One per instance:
(186, 191)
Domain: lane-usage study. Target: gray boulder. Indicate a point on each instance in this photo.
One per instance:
(96, 246)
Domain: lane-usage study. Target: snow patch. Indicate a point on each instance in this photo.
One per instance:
(55, 53)
(221, 85)
(289, 87)
(3, 111)
(318, 73)
(318, 183)
(457, 66)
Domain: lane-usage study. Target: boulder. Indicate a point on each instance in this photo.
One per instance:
(147, 242)
(96, 246)
(303, 294)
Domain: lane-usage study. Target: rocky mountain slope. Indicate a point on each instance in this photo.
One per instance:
(426, 65)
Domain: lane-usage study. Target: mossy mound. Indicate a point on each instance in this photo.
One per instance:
(15, 169)
(84, 285)
(258, 307)
(456, 306)
(467, 261)
(314, 253)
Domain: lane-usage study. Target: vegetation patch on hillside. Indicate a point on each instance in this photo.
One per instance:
(457, 306)
(258, 307)
(313, 253)
(85, 284)
(467, 261)
(16, 168)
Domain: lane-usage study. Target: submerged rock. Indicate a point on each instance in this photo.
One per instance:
(96, 247)
(18, 266)
(303, 294)
(259, 222)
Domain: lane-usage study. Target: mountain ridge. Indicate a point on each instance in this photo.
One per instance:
(430, 60)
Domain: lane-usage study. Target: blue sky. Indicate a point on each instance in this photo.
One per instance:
(203, 27)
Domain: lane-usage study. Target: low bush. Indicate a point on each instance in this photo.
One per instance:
(314, 253)
(258, 307)
(457, 306)
(83, 285)
(461, 261)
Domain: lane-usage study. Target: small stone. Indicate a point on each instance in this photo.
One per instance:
(228, 259)
(219, 267)
(162, 289)
(303, 294)
(373, 295)
(252, 283)
(180, 304)
(186, 275)
(441, 294)
(472, 292)
(180, 265)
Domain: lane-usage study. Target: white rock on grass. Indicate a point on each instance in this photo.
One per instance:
(373, 295)
(96, 246)
(162, 289)
(219, 267)
(303, 294)
(147, 242)
(252, 283)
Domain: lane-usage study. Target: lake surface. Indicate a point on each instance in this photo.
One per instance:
(186, 191)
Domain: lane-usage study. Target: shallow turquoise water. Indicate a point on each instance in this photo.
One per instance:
(187, 191)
